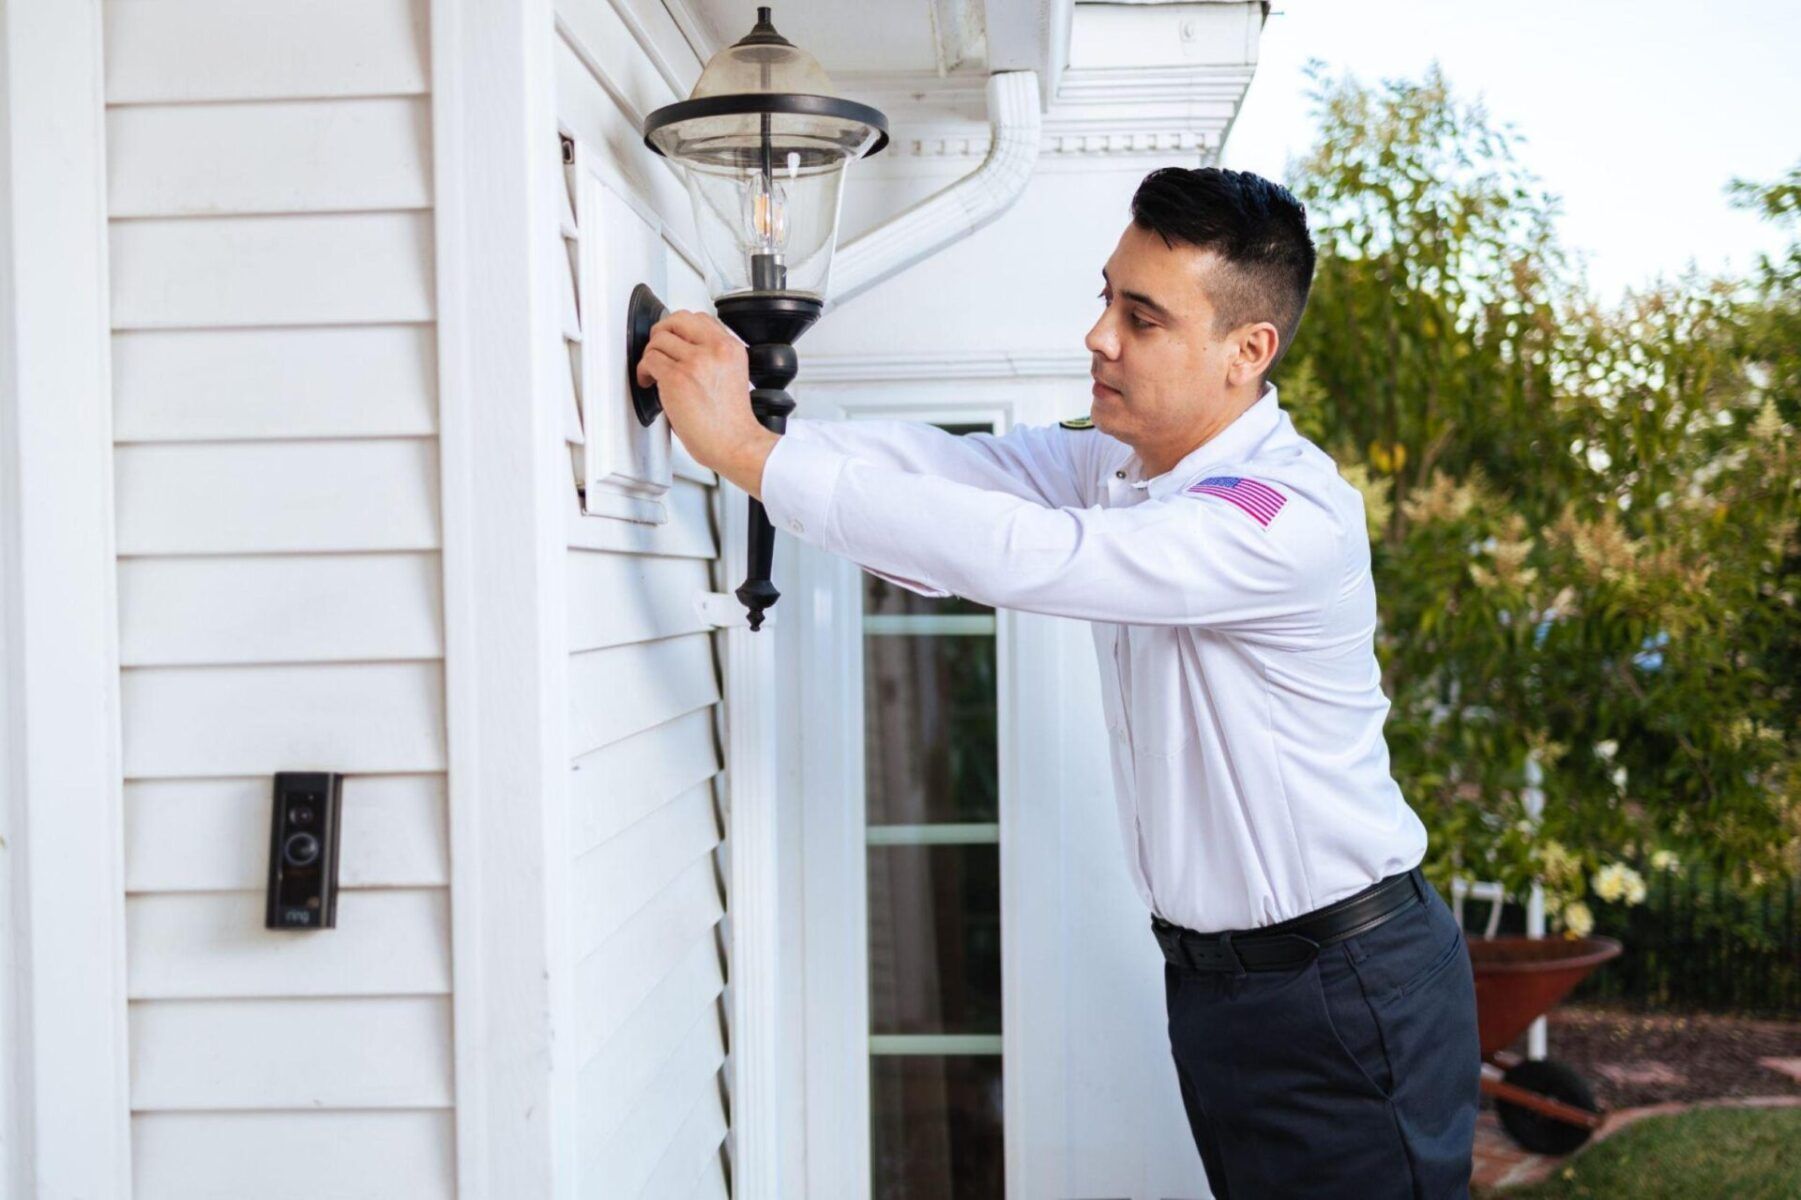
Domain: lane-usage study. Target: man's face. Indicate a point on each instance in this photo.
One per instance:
(1160, 369)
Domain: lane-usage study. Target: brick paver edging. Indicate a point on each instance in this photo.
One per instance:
(1501, 1164)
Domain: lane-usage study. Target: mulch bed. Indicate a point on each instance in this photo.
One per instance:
(1633, 1058)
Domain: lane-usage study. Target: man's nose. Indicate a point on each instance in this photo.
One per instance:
(1101, 339)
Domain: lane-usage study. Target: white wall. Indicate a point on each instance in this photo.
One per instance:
(647, 732)
(280, 589)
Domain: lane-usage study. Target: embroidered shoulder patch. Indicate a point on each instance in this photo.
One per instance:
(1078, 423)
(1262, 501)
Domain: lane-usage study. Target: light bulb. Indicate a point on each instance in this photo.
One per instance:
(765, 214)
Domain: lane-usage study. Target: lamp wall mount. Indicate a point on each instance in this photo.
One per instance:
(643, 311)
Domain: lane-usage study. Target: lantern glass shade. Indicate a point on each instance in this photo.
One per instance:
(764, 143)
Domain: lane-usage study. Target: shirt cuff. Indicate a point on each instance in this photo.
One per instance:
(799, 480)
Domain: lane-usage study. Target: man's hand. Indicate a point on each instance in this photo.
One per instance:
(702, 373)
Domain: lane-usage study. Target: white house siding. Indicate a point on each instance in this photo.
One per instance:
(646, 816)
(269, 194)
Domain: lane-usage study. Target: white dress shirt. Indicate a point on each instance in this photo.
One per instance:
(1233, 616)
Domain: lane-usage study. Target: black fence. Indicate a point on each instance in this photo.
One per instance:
(1697, 944)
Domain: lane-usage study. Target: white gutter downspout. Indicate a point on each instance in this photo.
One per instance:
(954, 212)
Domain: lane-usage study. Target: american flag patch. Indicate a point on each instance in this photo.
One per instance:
(1259, 499)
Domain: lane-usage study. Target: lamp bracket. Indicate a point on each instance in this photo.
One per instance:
(722, 610)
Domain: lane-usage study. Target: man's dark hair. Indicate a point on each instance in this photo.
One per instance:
(1257, 227)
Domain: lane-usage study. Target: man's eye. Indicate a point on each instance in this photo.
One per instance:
(1137, 321)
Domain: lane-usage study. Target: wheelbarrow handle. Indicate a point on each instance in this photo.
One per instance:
(1557, 1110)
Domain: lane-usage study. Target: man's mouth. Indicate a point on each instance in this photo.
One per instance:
(1100, 387)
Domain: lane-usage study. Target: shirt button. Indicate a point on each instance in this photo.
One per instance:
(796, 525)
(1119, 474)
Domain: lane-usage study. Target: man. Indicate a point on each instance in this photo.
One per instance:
(1320, 998)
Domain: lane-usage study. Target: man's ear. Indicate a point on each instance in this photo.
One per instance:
(1254, 349)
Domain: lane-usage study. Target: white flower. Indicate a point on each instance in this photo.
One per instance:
(1577, 919)
(1665, 860)
(1559, 865)
(1610, 882)
(1617, 881)
(1606, 749)
(1619, 778)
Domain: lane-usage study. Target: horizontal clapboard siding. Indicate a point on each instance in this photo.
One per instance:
(646, 819)
(213, 944)
(293, 1155)
(621, 690)
(365, 1052)
(687, 534)
(182, 722)
(280, 590)
(280, 608)
(212, 835)
(227, 272)
(684, 1094)
(186, 50)
(645, 831)
(617, 878)
(712, 1183)
(649, 597)
(613, 1079)
(273, 497)
(616, 785)
(317, 156)
(189, 385)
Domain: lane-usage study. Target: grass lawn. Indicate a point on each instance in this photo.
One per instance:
(1747, 1154)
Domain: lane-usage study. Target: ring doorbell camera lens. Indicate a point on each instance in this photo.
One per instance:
(303, 851)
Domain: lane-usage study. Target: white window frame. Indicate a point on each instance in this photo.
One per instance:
(834, 834)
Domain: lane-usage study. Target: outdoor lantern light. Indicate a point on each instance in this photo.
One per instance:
(764, 144)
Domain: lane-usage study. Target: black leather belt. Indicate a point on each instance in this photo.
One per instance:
(1292, 943)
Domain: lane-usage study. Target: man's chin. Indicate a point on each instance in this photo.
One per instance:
(1105, 408)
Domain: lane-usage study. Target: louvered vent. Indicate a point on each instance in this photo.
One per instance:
(569, 246)
(611, 239)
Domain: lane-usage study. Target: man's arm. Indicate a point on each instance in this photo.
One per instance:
(1191, 558)
(1031, 462)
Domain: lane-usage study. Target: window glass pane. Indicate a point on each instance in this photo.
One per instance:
(934, 939)
(935, 1127)
(930, 748)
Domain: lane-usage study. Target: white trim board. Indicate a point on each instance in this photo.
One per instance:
(65, 1110)
(493, 116)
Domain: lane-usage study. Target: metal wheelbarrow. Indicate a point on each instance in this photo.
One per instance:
(1545, 1105)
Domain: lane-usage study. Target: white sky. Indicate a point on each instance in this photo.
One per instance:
(1636, 114)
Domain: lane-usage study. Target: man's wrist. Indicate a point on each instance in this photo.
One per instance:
(744, 466)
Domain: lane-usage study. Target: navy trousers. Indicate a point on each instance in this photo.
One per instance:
(1356, 1075)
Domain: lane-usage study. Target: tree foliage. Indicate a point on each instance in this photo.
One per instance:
(1583, 517)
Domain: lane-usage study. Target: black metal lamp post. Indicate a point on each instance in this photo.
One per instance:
(764, 145)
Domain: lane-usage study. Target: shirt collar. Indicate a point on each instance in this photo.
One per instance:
(1246, 430)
